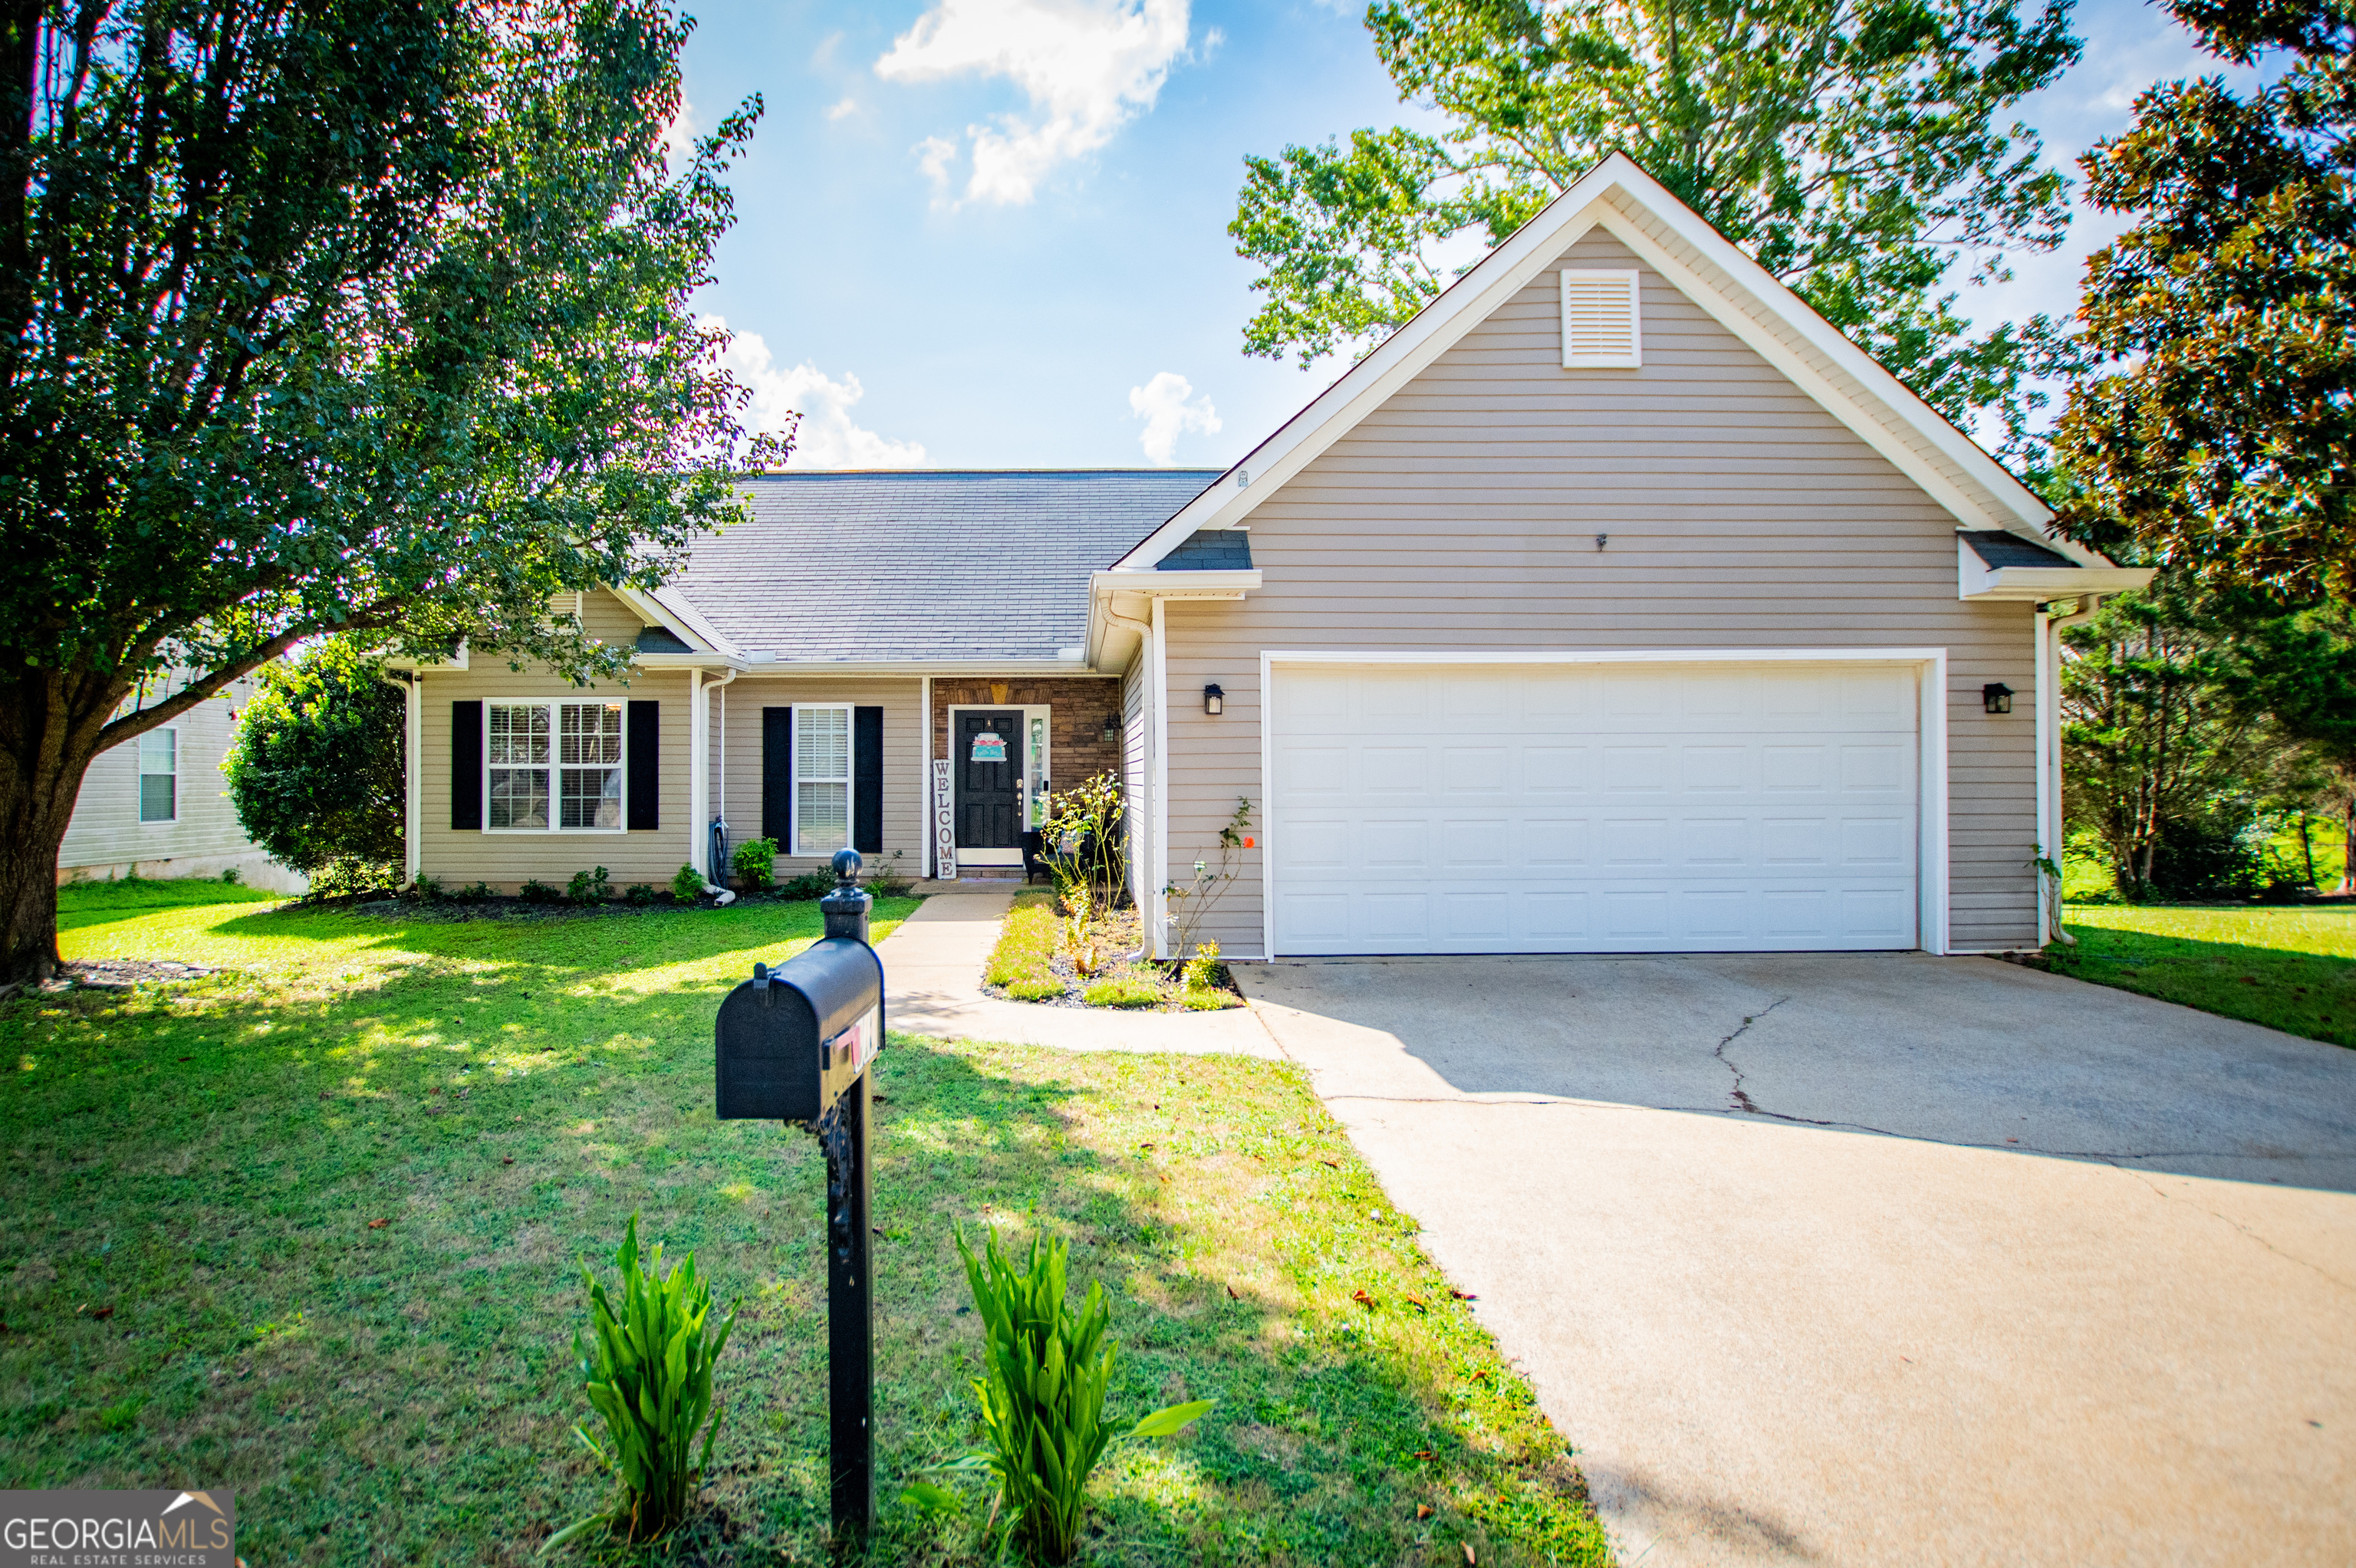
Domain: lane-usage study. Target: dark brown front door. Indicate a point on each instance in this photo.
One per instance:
(988, 752)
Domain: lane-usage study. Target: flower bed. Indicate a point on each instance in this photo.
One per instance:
(1035, 962)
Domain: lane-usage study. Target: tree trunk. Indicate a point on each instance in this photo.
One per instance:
(49, 724)
(2348, 847)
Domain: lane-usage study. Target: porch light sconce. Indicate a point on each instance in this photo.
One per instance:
(1997, 697)
(1213, 699)
(1112, 729)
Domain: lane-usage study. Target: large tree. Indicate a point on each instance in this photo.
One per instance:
(330, 316)
(1858, 149)
(2223, 445)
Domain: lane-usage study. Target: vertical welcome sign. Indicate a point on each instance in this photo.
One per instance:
(944, 822)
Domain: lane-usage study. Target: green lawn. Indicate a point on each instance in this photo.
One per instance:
(209, 1166)
(2289, 967)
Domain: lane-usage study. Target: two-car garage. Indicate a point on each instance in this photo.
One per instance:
(1719, 803)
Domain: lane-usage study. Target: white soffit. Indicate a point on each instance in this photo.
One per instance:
(1675, 242)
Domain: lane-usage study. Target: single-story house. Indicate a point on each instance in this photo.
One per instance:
(158, 806)
(1616, 604)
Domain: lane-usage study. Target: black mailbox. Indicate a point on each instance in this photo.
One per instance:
(791, 1039)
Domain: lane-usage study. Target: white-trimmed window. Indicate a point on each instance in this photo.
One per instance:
(565, 755)
(159, 775)
(821, 779)
(1602, 319)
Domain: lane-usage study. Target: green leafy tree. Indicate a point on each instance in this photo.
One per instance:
(2157, 732)
(2299, 671)
(1858, 151)
(2224, 444)
(314, 770)
(322, 317)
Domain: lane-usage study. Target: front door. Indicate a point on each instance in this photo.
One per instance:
(988, 746)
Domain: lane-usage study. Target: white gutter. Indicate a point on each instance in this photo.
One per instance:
(1158, 731)
(413, 771)
(1976, 580)
(699, 783)
(1104, 586)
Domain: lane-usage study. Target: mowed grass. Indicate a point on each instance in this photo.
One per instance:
(2289, 967)
(403, 1393)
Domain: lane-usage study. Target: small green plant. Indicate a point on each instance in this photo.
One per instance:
(1043, 1398)
(230, 875)
(686, 886)
(1082, 841)
(1203, 969)
(808, 885)
(472, 894)
(1188, 904)
(1079, 947)
(426, 887)
(639, 893)
(590, 887)
(756, 862)
(1124, 991)
(891, 881)
(649, 1377)
(120, 1417)
(535, 891)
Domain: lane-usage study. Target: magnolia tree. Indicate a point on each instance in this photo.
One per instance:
(328, 318)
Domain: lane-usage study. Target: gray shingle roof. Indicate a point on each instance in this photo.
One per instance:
(2000, 549)
(925, 564)
(1210, 549)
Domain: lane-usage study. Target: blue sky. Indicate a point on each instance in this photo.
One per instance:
(992, 233)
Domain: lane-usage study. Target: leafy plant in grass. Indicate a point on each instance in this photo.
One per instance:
(1043, 1400)
(649, 1377)
(756, 862)
(686, 886)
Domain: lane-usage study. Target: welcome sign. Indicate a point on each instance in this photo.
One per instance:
(117, 1530)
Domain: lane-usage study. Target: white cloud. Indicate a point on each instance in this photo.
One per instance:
(1162, 404)
(679, 137)
(827, 437)
(847, 106)
(1086, 66)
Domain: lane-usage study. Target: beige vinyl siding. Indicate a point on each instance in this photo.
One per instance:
(1463, 515)
(508, 859)
(902, 698)
(1136, 799)
(105, 831)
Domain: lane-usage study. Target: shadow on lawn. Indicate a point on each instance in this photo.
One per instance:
(338, 1251)
(2312, 995)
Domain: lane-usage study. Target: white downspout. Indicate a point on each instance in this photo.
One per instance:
(698, 763)
(412, 781)
(720, 686)
(1158, 764)
(2049, 840)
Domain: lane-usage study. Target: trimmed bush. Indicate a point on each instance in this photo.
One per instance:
(686, 886)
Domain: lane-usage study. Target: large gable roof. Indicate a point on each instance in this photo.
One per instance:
(1675, 242)
(922, 564)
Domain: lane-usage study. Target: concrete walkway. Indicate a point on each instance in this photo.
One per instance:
(1878, 1259)
(932, 977)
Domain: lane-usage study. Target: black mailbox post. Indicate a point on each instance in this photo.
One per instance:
(793, 1044)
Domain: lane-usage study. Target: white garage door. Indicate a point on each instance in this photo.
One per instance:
(1594, 808)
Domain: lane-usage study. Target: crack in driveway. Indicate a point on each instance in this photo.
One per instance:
(1741, 1100)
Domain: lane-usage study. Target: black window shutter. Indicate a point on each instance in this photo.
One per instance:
(777, 777)
(867, 780)
(645, 766)
(466, 766)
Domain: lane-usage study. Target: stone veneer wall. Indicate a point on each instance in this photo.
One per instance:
(1077, 710)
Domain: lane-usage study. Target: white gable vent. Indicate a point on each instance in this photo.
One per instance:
(1600, 321)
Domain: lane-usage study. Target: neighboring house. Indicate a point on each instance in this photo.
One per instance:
(157, 806)
(1617, 603)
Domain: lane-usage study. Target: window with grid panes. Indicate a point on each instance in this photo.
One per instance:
(159, 775)
(821, 780)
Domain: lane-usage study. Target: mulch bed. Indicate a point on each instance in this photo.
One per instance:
(1120, 942)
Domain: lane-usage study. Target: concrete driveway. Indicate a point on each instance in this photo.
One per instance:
(1879, 1258)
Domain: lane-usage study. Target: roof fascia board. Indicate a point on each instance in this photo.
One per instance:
(805, 669)
(1104, 585)
(655, 609)
(1976, 580)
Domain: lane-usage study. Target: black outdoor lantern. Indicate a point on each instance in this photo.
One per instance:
(1997, 697)
(1213, 699)
(1112, 729)
(793, 1044)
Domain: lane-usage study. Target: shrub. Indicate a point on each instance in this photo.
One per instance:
(808, 885)
(649, 1379)
(346, 877)
(472, 894)
(2218, 851)
(891, 881)
(640, 893)
(1043, 1398)
(590, 887)
(1203, 969)
(756, 862)
(229, 875)
(536, 892)
(314, 770)
(426, 887)
(686, 885)
(1124, 991)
